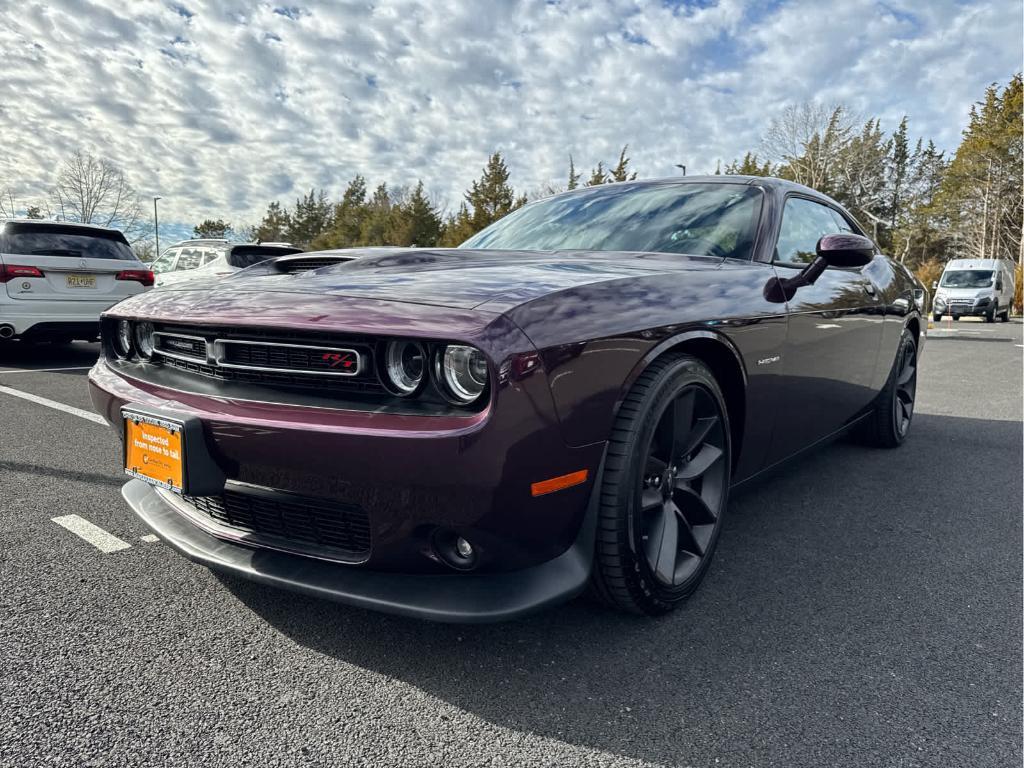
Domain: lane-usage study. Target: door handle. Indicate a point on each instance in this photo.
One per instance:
(869, 289)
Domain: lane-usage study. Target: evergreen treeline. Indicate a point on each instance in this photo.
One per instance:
(921, 206)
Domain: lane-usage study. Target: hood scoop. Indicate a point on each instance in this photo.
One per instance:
(291, 265)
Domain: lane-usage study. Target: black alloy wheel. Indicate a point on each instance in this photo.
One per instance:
(665, 488)
(681, 487)
(906, 389)
(889, 423)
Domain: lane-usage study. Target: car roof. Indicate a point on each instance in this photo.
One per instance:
(199, 241)
(765, 182)
(55, 223)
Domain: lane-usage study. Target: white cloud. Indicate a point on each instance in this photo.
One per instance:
(221, 106)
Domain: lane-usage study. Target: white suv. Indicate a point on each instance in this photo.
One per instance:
(57, 277)
(196, 259)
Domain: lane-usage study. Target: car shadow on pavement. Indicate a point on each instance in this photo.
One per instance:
(864, 605)
(16, 355)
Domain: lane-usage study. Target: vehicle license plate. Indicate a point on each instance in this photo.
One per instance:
(154, 450)
(81, 281)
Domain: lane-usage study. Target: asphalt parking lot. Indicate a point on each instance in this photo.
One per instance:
(864, 609)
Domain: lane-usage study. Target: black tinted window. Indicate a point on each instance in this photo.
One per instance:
(74, 242)
(804, 222)
(702, 219)
(242, 256)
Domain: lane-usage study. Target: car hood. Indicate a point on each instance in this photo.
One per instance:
(456, 278)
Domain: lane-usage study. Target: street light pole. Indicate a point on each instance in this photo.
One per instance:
(156, 228)
(679, 165)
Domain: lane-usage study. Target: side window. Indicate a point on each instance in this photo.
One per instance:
(210, 255)
(804, 222)
(842, 225)
(166, 262)
(190, 259)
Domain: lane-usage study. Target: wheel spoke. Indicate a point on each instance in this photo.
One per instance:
(651, 499)
(693, 506)
(682, 423)
(700, 463)
(701, 429)
(663, 544)
(906, 374)
(688, 539)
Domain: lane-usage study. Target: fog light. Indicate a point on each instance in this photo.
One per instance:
(454, 551)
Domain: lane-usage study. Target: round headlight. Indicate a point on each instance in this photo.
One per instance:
(463, 373)
(123, 338)
(405, 364)
(144, 340)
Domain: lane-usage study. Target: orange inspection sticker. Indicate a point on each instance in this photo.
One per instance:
(153, 450)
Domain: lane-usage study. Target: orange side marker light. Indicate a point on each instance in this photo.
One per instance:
(559, 483)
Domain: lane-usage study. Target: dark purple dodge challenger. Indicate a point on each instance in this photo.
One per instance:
(474, 433)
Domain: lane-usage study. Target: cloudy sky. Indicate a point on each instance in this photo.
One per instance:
(222, 106)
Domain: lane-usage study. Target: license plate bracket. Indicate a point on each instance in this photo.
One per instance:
(195, 472)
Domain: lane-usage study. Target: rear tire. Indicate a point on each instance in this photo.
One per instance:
(664, 489)
(889, 424)
(1006, 316)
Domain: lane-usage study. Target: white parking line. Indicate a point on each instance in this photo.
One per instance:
(53, 404)
(45, 370)
(103, 541)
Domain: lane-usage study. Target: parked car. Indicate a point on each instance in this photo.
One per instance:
(58, 277)
(198, 259)
(474, 433)
(975, 287)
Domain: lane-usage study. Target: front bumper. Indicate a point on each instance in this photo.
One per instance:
(978, 308)
(40, 317)
(450, 597)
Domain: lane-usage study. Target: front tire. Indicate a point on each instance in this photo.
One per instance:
(890, 423)
(936, 318)
(664, 490)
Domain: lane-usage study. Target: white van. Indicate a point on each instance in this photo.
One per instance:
(975, 287)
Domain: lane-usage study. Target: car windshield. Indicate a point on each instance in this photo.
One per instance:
(694, 218)
(967, 278)
(57, 240)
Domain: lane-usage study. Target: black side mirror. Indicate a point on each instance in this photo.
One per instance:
(839, 250)
(999, 285)
(845, 250)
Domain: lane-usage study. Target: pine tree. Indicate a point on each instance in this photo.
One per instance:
(214, 230)
(377, 222)
(597, 176)
(415, 221)
(276, 224)
(312, 217)
(492, 197)
(621, 170)
(574, 177)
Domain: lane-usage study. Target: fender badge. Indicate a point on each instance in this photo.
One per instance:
(769, 360)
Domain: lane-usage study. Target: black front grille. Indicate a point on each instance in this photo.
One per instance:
(180, 345)
(341, 384)
(295, 358)
(329, 529)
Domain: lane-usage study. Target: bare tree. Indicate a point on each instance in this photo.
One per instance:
(93, 190)
(7, 204)
(807, 140)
